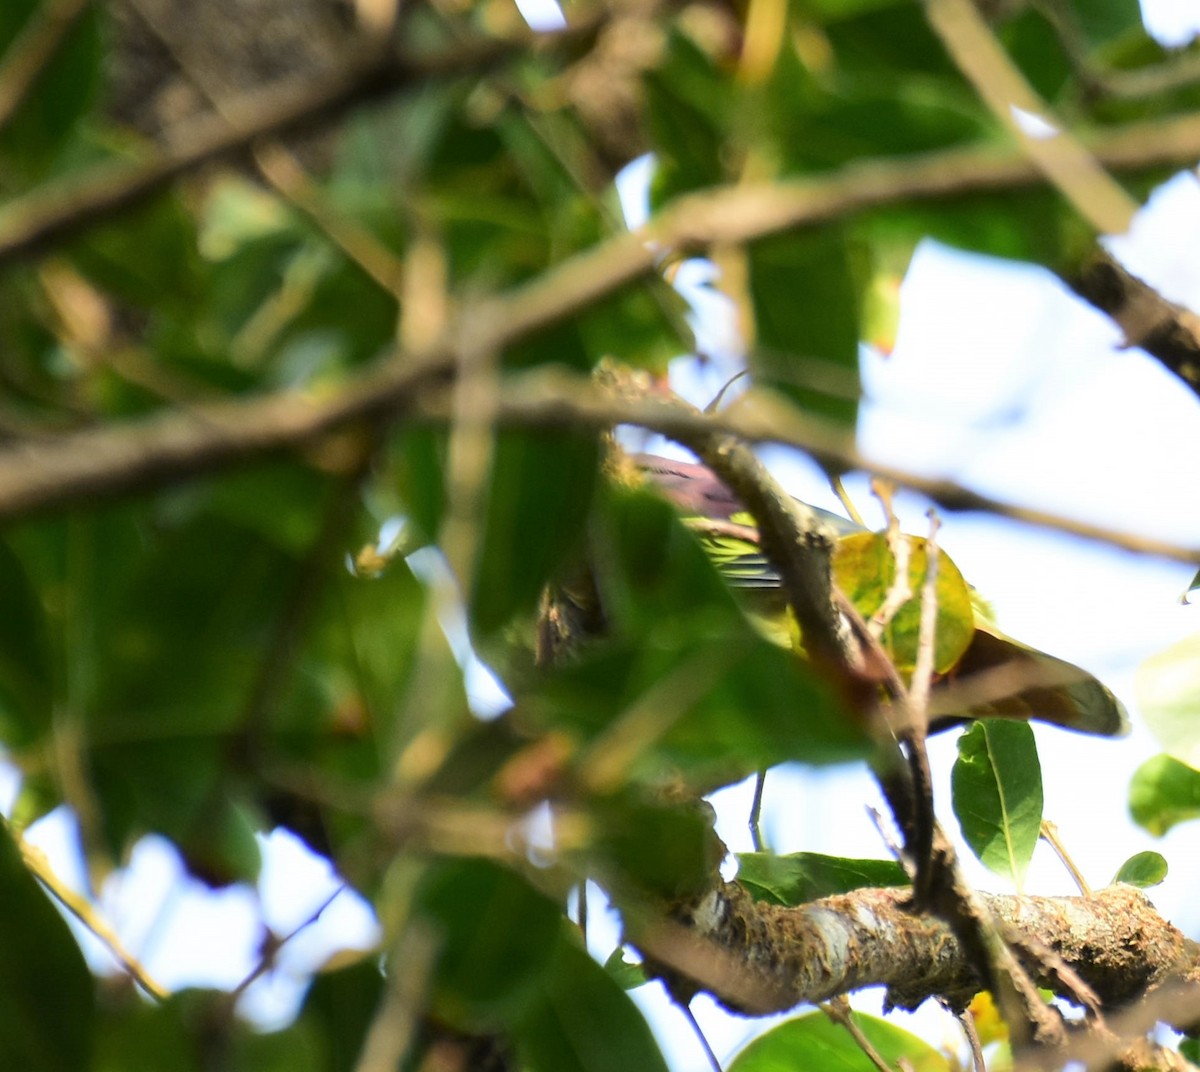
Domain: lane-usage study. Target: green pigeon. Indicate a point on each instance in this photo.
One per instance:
(992, 674)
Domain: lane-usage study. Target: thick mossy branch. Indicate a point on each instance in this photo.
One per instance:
(759, 958)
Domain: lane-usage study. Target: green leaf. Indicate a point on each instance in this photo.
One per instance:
(1167, 686)
(1143, 869)
(997, 794)
(35, 139)
(495, 936)
(26, 673)
(584, 1022)
(47, 1015)
(864, 568)
(339, 1008)
(807, 876)
(1164, 792)
(666, 850)
(1103, 20)
(184, 1032)
(539, 498)
(804, 293)
(1035, 45)
(815, 1042)
(687, 104)
(627, 974)
(716, 699)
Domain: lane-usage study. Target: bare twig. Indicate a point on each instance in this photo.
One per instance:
(967, 1022)
(1049, 834)
(31, 224)
(838, 1010)
(37, 863)
(714, 1062)
(267, 961)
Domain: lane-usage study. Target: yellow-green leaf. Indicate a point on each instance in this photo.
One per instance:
(864, 568)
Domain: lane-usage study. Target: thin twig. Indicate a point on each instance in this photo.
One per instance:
(267, 961)
(755, 821)
(714, 1062)
(38, 864)
(1049, 834)
(967, 1022)
(838, 1010)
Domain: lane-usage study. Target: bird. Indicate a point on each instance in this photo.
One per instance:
(996, 676)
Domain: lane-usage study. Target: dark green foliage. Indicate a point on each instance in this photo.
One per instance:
(226, 646)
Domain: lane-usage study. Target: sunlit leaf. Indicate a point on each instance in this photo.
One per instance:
(1142, 869)
(864, 568)
(1164, 792)
(1168, 695)
(997, 794)
(814, 1041)
(806, 876)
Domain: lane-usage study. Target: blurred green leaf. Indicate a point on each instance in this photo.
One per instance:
(48, 1012)
(1163, 793)
(32, 143)
(192, 1030)
(147, 258)
(816, 1042)
(495, 937)
(807, 876)
(26, 673)
(864, 568)
(1168, 694)
(338, 1010)
(1036, 47)
(663, 849)
(997, 794)
(1143, 869)
(703, 692)
(1103, 20)
(584, 1022)
(804, 292)
(688, 104)
(539, 497)
(627, 974)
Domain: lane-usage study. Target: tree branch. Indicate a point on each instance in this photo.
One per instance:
(34, 223)
(1168, 331)
(760, 958)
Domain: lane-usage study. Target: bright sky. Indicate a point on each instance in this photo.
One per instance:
(999, 379)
